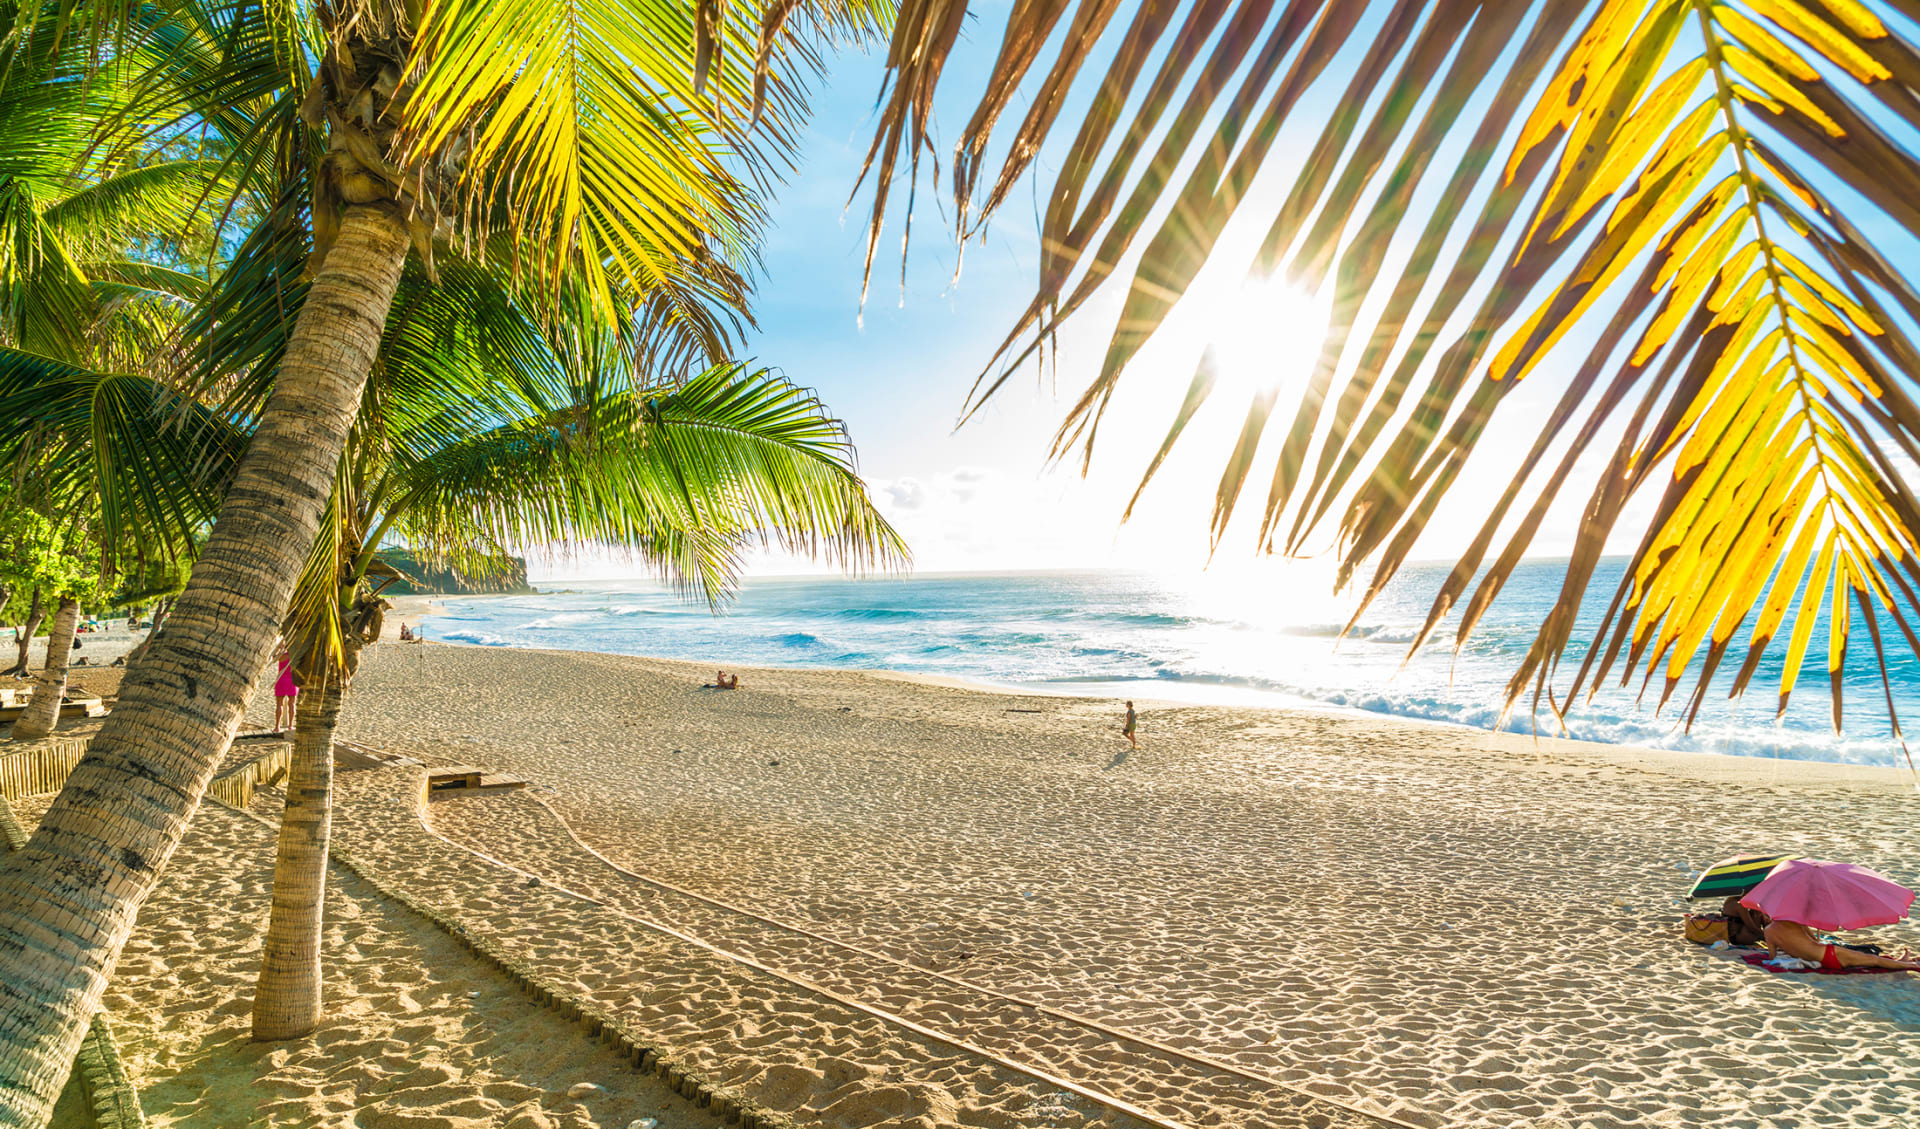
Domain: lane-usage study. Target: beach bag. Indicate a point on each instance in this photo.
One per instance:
(1705, 928)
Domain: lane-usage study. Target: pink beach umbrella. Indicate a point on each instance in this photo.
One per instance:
(1829, 895)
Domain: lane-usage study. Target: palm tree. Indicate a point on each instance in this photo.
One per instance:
(481, 433)
(1700, 204)
(602, 161)
(50, 687)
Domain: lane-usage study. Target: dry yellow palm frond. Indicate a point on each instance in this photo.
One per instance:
(1683, 207)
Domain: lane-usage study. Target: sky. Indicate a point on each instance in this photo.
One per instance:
(985, 496)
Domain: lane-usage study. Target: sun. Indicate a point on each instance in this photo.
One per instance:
(1264, 335)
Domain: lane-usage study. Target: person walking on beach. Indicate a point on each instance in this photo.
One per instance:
(284, 693)
(1127, 730)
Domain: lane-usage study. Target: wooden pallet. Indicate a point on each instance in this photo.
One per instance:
(441, 778)
(69, 709)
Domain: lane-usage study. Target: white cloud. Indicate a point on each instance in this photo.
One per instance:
(903, 493)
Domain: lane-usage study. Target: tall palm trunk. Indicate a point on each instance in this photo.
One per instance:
(43, 712)
(286, 1001)
(68, 900)
(24, 633)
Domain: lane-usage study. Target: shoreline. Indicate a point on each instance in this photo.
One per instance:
(1739, 766)
(1719, 767)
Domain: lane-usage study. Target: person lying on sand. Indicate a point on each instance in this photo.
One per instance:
(1746, 927)
(1796, 940)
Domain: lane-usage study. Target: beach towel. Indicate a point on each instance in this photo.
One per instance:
(1759, 960)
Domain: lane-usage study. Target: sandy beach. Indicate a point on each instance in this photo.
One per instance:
(864, 900)
(1448, 926)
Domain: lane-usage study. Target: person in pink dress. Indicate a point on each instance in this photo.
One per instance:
(284, 693)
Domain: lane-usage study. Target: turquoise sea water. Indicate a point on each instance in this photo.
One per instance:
(1193, 639)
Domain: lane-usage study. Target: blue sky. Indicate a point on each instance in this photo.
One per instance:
(985, 496)
(978, 497)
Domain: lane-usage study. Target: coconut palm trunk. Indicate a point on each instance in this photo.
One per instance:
(24, 633)
(286, 999)
(50, 688)
(69, 899)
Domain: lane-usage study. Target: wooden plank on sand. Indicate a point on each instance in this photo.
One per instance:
(454, 776)
(71, 708)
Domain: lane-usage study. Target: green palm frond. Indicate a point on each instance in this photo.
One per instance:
(233, 339)
(135, 327)
(154, 466)
(610, 135)
(688, 478)
(107, 216)
(1690, 206)
(232, 72)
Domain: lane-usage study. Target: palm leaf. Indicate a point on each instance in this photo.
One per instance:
(603, 132)
(1680, 189)
(687, 478)
(154, 467)
(107, 216)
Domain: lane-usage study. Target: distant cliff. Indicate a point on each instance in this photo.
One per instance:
(421, 579)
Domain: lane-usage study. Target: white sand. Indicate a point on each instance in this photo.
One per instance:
(98, 648)
(409, 610)
(1460, 928)
(421, 1035)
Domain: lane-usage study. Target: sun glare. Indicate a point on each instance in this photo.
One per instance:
(1265, 335)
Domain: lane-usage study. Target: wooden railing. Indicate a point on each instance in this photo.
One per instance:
(236, 787)
(38, 766)
(42, 766)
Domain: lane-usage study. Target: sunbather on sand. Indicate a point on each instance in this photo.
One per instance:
(1746, 926)
(1796, 940)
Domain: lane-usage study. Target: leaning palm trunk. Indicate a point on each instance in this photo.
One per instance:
(24, 633)
(50, 689)
(286, 1000)
(68, 901)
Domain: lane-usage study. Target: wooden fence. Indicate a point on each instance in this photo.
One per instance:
(237, 786)
(42, 766)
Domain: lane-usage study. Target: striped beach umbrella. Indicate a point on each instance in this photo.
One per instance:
(1736, 875)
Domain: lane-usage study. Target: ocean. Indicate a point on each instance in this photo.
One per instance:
(1204, 640)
